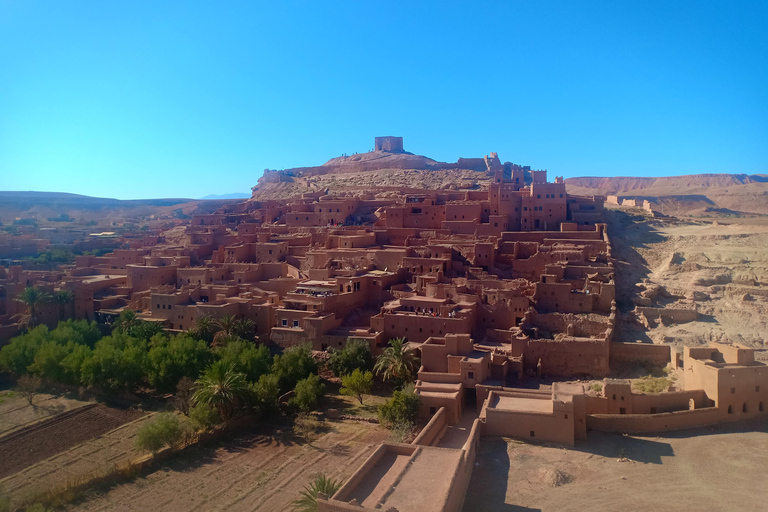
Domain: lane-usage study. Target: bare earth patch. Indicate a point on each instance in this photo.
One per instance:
(706, 469)
(15, 412)
(260, 470)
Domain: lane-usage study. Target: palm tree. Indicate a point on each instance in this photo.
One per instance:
(205, 327)
(127, 321)
(33, 298)
(245, 328)
(397, 362)
(62, 298)
(320, 485)
(223, 388)
(227, 330)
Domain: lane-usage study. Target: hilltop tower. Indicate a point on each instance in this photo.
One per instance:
(389, 144)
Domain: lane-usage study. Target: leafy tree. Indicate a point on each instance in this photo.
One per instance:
(166, 429)
(204, 417)
(20, 353)
(29, 386)
(320, 485)
(81, 332)
(33, 298)
(62, 298)
(309, 393)
(168, 360)
(294, 364)
(246, 358)
(73, 362)
(117, 363)
(355, 354)
(397, 362)
(223, 388)
(402, 408)
(146, 330)
(357, 384)
(266, 394)
(47, 362)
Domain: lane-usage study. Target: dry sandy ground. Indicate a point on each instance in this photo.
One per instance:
(718, 268)
(710, 469)
(254, 471)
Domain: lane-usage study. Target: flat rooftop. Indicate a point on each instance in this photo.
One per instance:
(518, 404)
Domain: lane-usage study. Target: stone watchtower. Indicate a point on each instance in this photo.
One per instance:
(389, 144)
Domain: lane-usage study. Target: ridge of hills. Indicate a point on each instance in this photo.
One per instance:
(693, 195)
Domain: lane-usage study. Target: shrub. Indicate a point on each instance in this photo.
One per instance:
(266, 394)
(596, 387)
(402, 432)
(294, 364)
(165, 430)
(402, 408)
(308, 500)
(204, 417)
(651, 384)
(355, 355)
(246, 358)
(357, 384)
(20, 353)
(309, 393)
(305, 425)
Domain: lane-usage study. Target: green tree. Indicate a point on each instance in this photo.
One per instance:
(117, 364)
(320, 485)
(398, 362)
(357, 384)
(126, 322)
(246, 358)
(245, 329)
(402, 408)
(355, 354)
(20, 353)
(47, 362)
(223, 388)
(294, 364)
(33, 298)
(63, 298)
(81, 332)
(266, 394)
(309, 393)
(168, 360)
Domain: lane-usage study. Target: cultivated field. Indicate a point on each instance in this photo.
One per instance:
(260, 470)
(708, 469)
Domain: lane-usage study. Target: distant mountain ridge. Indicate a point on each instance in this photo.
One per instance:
(233, 195)
(623, 184)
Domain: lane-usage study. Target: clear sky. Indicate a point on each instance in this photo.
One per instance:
(141, 99)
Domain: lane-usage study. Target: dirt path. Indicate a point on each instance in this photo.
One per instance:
(709, 469)
(256, 471)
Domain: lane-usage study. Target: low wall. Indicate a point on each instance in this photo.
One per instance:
(649, 423)
(430, 434)
(631, 352)
(460, 480)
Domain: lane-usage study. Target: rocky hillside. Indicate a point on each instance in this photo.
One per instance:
(697, 194)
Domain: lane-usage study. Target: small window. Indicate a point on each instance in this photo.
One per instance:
(622, 410)
(295, 323)
(470, 375)
(285, 323)
(565, 417)
(533, 433)
(432, 410)
(730, 409)
(733, 391)
(744, 408)
(757, 389)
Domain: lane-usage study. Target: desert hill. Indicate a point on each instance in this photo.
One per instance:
(697, 194)
(44, 205)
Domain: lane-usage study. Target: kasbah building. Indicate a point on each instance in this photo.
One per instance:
(488, 286)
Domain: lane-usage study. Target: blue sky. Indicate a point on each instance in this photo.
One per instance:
(134, 99)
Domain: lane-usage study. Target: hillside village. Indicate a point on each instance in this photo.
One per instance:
(491, 285)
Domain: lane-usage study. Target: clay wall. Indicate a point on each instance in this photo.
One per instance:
(572, 356)
(648, 423)
(143, 278)
(431, 433)
(631, 352)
